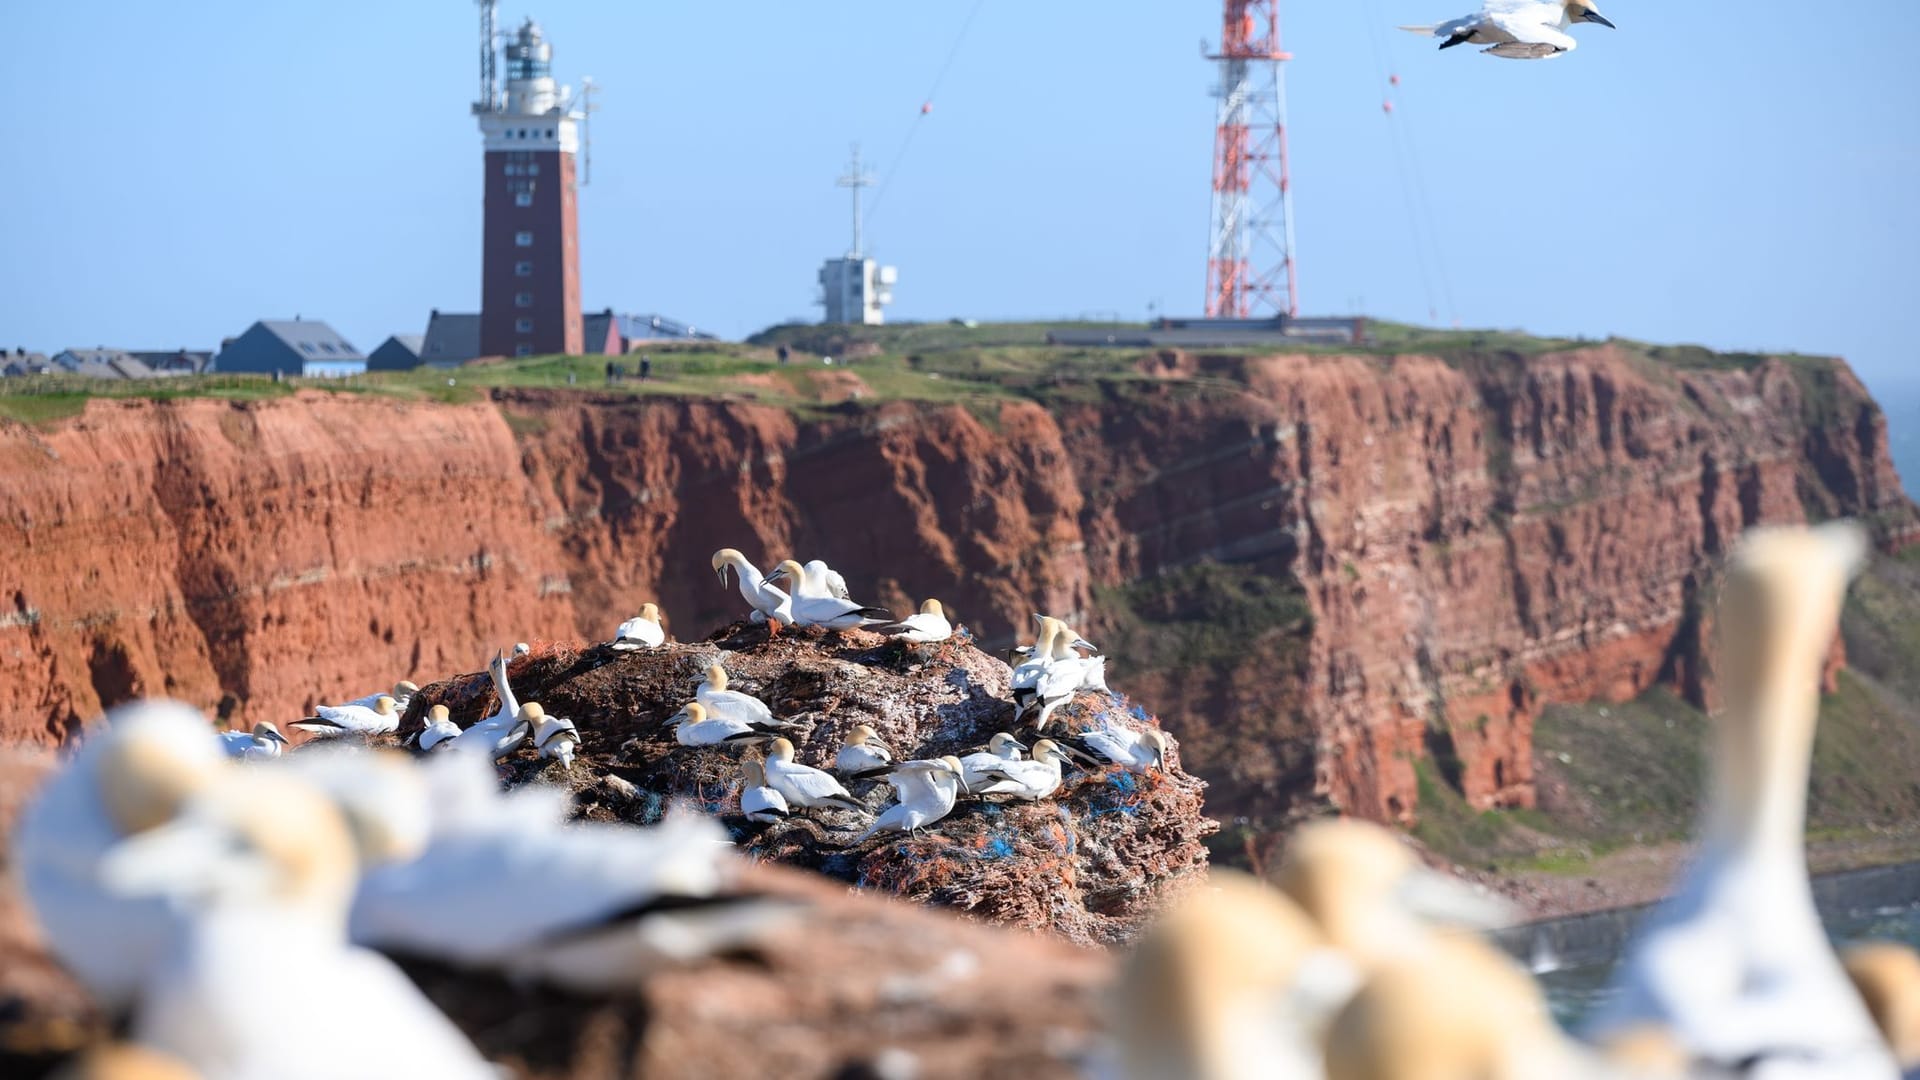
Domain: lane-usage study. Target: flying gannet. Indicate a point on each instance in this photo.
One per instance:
(1735, 962)
(1518, 29)
(643, 631)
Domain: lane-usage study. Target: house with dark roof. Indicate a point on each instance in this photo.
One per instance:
(21, 362)
(400, 352)
(101, 363)
(617, 334)
(451, 339)
(174, 361)
(294, 346)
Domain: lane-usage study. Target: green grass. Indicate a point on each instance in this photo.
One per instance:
(1198, 616)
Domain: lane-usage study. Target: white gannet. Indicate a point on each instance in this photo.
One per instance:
(803, 786)
(1002, 748)
(1735, 961)
(815, 605)
(863, 752)
(262, 743)
(1887, 977)
(643, 631)
(402, 695)
(131, 773)
(731, 704)
(554, 737)
(264, 868)
(830, 580)
(1518, 29)
(1064, 674)
(758, 801)
(521, 648)
(503, 732)
(1026, 676)
(772, 606)
(1028, 780)
(927, 791)
(692, 726)
(926, 628)
(1137, 750)
(439, 732)
(330, 721)
(1070, 637)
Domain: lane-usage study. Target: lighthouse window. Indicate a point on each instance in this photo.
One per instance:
(523, 326)
(523, 239)
(533, 168)
(524, 299)
(512, 169)
(523, 198)
(523, 269)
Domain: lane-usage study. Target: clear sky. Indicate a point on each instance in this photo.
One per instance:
(1711, 173)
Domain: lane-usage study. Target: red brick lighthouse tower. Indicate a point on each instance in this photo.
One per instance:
(530, 267)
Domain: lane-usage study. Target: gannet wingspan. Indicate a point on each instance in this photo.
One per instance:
(1736, 962)
(1518, 29)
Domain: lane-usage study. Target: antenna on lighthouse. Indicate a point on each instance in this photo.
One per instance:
(856, 179)
(1250, 261)
(588, 88)
(489, 64)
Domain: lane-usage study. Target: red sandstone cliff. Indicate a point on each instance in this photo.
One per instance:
(1472, 537)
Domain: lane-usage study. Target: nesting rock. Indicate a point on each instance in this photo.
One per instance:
(1091, 864)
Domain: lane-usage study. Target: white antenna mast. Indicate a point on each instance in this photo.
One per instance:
(587, 108)
(856, 179)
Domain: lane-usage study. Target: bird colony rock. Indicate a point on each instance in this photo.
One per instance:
(1091, 864)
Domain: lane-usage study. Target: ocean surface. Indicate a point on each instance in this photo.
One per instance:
(1899, 397)
(1575, 991)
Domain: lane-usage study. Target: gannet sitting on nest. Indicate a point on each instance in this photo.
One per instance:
(770, 605)
(814, 603)
(1736, 962)
(402, 695)
(724, 703)
(264, 866)
(758, 802)
(1002, 748)
(130, 775)
(927, 791)
(926, 628)
(863, 753)
(554, 737)
(1518, 29)
(1137, 750)
(262, 743)
(331, 721)
(503, 732)
(1027, 780)
(803, 786)
(643, 631)
(693, 727)
(439, 732)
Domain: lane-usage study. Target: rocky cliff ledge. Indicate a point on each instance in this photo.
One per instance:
(1322, 571)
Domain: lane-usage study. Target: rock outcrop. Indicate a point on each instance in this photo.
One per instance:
(1468, 538)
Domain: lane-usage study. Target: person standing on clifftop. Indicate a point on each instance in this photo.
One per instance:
(646, 367)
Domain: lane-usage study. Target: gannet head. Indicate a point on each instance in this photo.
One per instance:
(864, 735)
(725, 558)
(385, 705)
(1002, 742)
(1047, 751)
(716, 677)
(404, 689)
(522, 649)
(650, 611)
(265, 730)
(780, 749)
(152, 756)
(1888, 979)
(1581, 11)
(691, 713)
(531, 713)
(753, 774)
(1156, 741)
(932, 607)
(439, 713)
(788, 568)
(951, 765)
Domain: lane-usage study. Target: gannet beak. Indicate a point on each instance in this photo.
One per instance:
(722, 571)
(275, 735)
(1593, 16)
(1438, 898)
(1083, 643)
(1017, 745)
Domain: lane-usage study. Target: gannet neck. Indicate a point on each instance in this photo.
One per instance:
(509, 705)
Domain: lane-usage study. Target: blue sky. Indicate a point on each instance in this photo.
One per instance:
(1706, 173)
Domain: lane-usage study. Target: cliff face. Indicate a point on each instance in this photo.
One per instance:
(1428, 550)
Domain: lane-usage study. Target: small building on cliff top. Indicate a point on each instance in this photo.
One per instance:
(451, 339)
(291, 347)
(400, 352)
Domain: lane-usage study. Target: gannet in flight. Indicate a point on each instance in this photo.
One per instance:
(927, 791)
(643, 631)
(1518, 29)
(925, 628)
(264, 868)
(863, 752)
(770, 604)
(814, 603)
(1736, 962)
(330, 721)
(262, 743)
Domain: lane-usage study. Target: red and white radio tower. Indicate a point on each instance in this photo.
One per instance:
(1250, 268)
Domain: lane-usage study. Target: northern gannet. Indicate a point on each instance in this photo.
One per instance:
(693, 727)
(554, 737)
(1518, 29)
(520, 649)
(926, 628)
(439, 732)
(1232, 984)
(724, 703)
(803, 786)
(503, 732)
(262, 743)
(1029, 780)
(643, 631)
(829, 578)
(758, 801)
(863, 752)
(1887, 977)
(1137, 750)
(772, 605)
(330, 721)
(815, 605)
(1026, 676)
(1002, 748)
(927, 791)
(1735, 962)
(132, 774)
(402, 695)
(1060, 672)
(264, 867)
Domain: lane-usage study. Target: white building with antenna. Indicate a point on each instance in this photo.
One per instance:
(855, 288)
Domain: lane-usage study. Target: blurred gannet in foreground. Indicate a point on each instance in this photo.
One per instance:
(1002, 748)
(1029, 780)
(927, 791)
(770, 605)
(926, 628)
(758, 801)
(1137, 750)
(803, 786)
(1735, 962)
(814, 603)
(329, 721)
(263, 866)
(643, 631)
(264, 742)
(1230, 985)
(863, 753)
(555, 737)
(1887, 977)
(402, 695)
(439, 732)
(122, 1061)
(130, 774)
(1518, 29)
(503, 732)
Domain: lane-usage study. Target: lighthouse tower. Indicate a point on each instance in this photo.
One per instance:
(530, 265)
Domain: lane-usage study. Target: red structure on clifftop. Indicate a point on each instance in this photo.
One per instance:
(1250, 267)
